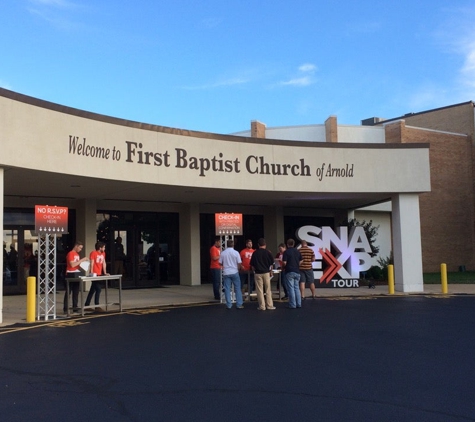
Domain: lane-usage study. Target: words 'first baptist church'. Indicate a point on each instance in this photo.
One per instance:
(159, 188)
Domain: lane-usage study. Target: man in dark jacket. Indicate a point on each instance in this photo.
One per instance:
(261, 262)
(292, 259)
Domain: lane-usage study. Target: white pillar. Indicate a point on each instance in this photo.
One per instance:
(407, 247)
(86, 230)
(1, 258)
(190, 245)
(274, 228)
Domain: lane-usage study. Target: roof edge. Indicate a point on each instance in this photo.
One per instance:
(36, 102)
(423, 112)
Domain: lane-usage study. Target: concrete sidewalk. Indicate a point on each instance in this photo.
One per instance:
(14, 307)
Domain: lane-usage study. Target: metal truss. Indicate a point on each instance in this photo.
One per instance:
(46, 282)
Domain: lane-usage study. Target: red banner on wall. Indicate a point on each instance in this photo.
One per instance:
(52, 220)
(228, 224)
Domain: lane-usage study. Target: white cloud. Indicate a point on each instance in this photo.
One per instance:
(456, 37)
(458, 34)
(218, 84)
(428, 96)
(304, 78)
(467, 71)
(303, 81)
(59, 13)
(308, 67)
(54, 19)
(57, 3)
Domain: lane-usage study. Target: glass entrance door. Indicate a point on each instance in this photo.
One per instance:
(135, 256)
(142, 246)
(131, 248)
(20, 258)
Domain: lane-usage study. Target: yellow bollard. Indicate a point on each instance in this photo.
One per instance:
(391, 279)
(30, 299)
(443, 278)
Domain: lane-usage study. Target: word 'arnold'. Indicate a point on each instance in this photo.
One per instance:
(253, 164)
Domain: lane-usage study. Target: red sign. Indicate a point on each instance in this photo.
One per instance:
(333, 265)
(52, 220)
(228, 224)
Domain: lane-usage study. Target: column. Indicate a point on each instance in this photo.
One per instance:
(407, 248)
(86, 230)
(274, 228)
(331, 129)
(86, 224)
(190, 245)
(258, 129)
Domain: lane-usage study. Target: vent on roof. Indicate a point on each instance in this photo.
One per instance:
(372, 121)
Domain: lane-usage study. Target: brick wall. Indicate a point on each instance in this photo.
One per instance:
(258, 129)
(331, 129)
(447, 212)
(456, 119)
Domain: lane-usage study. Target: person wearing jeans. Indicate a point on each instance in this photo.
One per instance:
(291, 260)
(98, 268)
(231, 262)
(73, 261)
(293, 290)
(232, 280)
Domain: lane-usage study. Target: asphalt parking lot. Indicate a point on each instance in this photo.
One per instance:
(335, 359)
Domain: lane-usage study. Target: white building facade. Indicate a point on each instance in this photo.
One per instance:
(159, 187)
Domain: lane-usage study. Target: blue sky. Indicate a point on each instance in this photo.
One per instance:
(216, 65)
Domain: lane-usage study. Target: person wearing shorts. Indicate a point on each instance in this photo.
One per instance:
(306, 269)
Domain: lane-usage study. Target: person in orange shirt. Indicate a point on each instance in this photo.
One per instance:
(246, 275)
(98, 268)
(215, 267)
(73, 261)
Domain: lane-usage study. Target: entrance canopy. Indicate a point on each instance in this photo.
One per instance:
(52, 151)
(26, 183)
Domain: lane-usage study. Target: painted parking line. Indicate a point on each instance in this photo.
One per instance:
(57, 323)
(78, 320)
(146, 311)
(69, 323)
(352, 298)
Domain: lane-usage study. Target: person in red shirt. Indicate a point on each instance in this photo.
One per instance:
(73, 261)
(98, 268)
(246, 275)
(215, 267)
